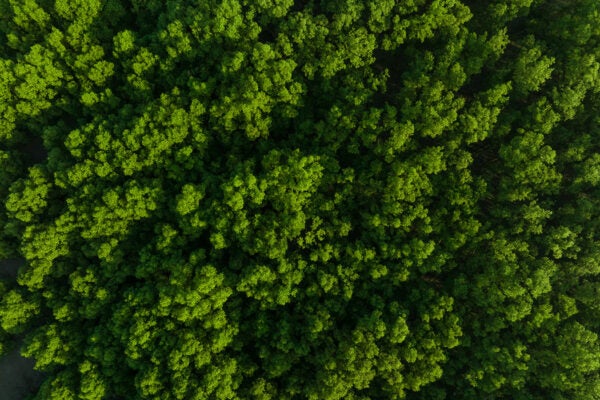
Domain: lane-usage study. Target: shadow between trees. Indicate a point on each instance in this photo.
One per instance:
(18, 379)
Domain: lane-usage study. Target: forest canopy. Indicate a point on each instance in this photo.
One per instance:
(322, 199)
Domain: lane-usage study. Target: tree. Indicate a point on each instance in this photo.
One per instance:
(333, 199)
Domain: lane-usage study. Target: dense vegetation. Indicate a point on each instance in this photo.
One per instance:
(323, 199)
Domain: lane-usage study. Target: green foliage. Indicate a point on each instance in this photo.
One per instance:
(279, 199)
(16, 311)
(6, 339)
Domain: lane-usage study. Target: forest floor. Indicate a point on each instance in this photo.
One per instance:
(18, 379)
(17, 376)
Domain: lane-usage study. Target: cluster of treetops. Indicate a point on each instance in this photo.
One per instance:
(322, 199)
